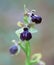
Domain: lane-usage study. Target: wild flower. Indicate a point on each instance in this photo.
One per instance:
(27, 28)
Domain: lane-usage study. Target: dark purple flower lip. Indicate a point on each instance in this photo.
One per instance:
(37, 19)
(13, 49)
(25, 35)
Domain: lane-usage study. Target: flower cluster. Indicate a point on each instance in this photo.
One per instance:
(25, 34)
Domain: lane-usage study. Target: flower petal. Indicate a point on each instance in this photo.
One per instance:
(20, 24)
(32, 30)
(19, 31)
(18, 50)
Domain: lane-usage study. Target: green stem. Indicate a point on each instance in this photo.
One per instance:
(23, 47)
(28, 52)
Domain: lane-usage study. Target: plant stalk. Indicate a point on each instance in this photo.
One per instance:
(28, 53)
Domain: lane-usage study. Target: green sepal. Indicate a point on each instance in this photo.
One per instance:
(26, 19)
(32, 30)
(19, 31)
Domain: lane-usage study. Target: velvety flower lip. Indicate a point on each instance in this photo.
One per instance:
(13, 49)
(25, 35)
(37, 19)
(29, 36)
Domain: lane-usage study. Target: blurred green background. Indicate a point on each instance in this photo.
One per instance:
(11, 11)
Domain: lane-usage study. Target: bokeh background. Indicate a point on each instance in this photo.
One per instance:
(11, 11)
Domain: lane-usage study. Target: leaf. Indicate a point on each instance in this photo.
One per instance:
(19, 31)
(36, 58)
(32, 30)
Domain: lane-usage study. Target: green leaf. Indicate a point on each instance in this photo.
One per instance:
(36, 58)
(32, 30)
(19, 31)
